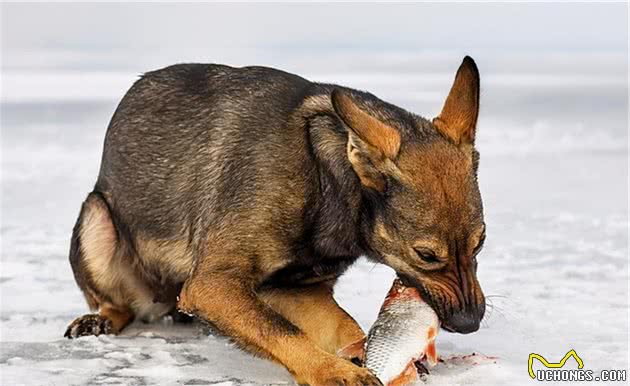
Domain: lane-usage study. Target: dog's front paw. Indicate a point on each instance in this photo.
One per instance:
(342, 373)
(89, 324)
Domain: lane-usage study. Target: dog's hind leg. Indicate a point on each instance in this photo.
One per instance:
(103, 270)
(93, 251)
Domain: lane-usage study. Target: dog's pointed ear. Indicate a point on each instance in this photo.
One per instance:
(458, 119)
(372, 143)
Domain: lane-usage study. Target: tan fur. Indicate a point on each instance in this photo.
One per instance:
(317, 103)
(371, 166)
(314, 310)
(458, 119)
(475, 239)
(120, 318)
(382, 232)
(369, 176)
(381, 136)
(91, 298)
(172, 257)
(110, 273)
(99, 242)
(443, 175)
(444, 178)
(221, 298)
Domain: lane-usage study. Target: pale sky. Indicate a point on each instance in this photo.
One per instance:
(130, 36)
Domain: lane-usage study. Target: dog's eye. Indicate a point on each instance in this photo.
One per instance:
(427, 255)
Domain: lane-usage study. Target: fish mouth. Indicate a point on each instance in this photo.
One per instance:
(408, 281)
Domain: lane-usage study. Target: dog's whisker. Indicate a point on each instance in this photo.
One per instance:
(494, 309)
(497, 296)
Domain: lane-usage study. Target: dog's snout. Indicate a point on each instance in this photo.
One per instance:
(462, 323)
(465, 321)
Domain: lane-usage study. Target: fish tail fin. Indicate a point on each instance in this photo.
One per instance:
(408, 375)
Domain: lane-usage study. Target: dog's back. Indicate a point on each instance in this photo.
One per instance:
(197, 141)
(194, 147)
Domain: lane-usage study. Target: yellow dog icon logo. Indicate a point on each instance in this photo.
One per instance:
(570, 353)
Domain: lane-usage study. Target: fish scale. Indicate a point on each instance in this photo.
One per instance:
(400, 334)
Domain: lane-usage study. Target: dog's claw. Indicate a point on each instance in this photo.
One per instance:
(90, 324)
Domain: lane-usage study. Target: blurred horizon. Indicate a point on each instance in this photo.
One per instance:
(554, 77)
(163, 33)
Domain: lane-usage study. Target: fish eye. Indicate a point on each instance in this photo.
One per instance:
(427, 255)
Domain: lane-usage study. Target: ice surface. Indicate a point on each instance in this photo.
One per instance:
(553, 176)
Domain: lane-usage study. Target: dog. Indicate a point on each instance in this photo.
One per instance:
(240, 195)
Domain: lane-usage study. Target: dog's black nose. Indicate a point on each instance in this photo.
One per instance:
(465, 321)
(461, 322)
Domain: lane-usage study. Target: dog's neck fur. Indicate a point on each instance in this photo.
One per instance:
(340, 216)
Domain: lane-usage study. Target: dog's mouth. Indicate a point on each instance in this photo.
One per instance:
(411, 282)
(461, 321)
(446, 327)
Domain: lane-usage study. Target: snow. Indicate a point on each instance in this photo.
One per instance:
(553, 176)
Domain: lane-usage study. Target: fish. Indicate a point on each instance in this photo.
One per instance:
(403, 334)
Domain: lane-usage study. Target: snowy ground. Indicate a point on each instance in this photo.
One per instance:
(555, 268)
